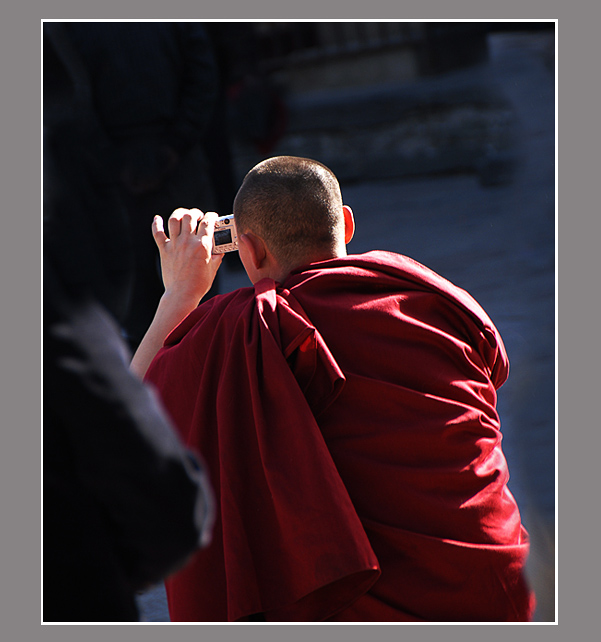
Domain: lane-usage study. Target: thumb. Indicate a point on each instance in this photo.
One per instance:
(216, 261)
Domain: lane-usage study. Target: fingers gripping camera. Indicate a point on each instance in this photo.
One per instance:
(226, 236)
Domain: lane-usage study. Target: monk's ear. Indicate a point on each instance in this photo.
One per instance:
(254, 247)
(349, 224)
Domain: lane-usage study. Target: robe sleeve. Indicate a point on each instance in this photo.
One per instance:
(288, 542)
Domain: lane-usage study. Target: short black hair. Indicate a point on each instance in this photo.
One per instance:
(294, 204)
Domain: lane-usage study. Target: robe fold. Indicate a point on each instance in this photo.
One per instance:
(348, 421)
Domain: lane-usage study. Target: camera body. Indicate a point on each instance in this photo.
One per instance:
(225, 238)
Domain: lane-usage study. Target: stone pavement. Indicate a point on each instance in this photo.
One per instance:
(497, 242)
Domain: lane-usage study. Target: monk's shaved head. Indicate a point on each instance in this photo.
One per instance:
(295, 205)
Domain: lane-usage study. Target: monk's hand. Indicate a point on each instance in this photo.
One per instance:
(187, 264)
(189, 269)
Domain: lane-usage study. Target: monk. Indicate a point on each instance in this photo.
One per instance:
(345, 407)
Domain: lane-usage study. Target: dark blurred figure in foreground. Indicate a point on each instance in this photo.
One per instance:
(146, 92)
(124, 503)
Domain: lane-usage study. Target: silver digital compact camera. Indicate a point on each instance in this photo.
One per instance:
(225, 238)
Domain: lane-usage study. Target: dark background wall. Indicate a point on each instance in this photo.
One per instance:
(443, 138)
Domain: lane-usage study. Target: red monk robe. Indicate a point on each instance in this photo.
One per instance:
(358, 467)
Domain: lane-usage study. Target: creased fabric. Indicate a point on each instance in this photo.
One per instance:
(288, 541)
(348, 419)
